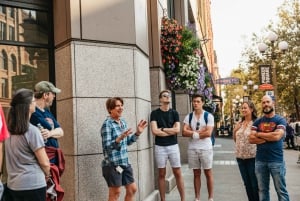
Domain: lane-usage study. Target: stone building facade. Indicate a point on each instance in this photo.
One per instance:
(93, 50)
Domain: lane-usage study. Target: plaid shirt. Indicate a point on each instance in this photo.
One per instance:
(115, 153)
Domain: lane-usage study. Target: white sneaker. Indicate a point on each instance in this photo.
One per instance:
(210, 199)
(197, 199)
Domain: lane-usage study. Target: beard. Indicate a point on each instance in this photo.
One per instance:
(268, 110)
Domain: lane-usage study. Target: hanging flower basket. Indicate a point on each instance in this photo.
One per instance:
(182, 58)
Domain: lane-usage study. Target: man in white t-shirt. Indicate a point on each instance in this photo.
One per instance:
(200, 150)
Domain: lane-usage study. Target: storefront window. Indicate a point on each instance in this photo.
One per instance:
(25, 45)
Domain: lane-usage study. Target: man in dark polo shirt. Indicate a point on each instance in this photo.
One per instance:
(45, 93)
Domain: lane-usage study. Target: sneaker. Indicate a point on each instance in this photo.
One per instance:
(210, 199)
(197, 199)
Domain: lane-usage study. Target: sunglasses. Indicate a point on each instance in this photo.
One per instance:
(197, 125)
(166, 95)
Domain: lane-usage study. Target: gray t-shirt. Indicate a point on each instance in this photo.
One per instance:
(24, 171)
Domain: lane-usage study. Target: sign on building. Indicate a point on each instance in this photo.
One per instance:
(265, 74)
(228, 80)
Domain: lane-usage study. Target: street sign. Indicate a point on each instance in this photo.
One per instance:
(266, 87)
(28, 69)
(265, 74)
(270, 93)
(23, 78)
(26, 85)
(228, 80)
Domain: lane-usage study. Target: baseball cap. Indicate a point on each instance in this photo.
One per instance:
(45, 86)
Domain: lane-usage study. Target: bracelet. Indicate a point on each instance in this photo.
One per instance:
(162, 129)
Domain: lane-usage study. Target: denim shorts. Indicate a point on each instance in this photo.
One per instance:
(114, 178)
(198, 158)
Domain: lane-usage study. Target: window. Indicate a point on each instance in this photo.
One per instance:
(4, 60)
(14, 63)
(26, 45)
(2, 31)
(4, 88)
(11, 12)
(171, 13)
(11, 33)
(2, 9)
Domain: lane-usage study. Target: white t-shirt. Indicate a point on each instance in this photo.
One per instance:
(204, 143)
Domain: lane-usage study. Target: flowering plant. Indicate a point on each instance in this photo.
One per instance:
(182, 58)
(170, 40)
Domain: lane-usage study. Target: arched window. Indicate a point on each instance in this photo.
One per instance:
(4, 88)
(4, 60)
(14, 63)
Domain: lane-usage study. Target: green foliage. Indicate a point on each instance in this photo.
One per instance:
(287, 65)
(189, 44)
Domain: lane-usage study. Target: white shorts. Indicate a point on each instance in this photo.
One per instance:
(200, 158)
(165, 153)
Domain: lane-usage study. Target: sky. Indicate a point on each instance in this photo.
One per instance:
(234, 22)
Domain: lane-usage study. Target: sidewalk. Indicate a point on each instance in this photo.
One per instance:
(228, 184)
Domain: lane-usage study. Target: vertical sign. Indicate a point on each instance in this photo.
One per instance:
(265, 74)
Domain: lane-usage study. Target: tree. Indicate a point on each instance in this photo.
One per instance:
(287, 65)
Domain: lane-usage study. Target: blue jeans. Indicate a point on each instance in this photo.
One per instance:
(247, 170)
(277, 170)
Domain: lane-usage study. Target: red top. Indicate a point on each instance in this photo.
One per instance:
(4, 134)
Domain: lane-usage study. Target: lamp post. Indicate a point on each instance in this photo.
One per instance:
(236, 104)
(272, 53)
(249, 88)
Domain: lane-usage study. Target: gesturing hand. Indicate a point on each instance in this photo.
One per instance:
(141, 126)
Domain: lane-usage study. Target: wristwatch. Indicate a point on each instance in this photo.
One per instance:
(162, 129)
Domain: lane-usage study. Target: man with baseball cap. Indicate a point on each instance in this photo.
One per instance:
(44, 93)
(45, 86)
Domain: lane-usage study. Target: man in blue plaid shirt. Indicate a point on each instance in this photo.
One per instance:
(116, 136)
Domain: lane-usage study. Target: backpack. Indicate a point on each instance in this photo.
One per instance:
(212, 136)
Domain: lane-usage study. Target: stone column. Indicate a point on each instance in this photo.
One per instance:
(101, 51)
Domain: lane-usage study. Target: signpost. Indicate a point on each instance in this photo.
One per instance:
(27, 80)
(228, 80)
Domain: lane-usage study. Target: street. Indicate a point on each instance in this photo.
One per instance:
(228, 184)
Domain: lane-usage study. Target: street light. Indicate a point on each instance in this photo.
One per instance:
(273, 53)
(236, 104)
(249, 89)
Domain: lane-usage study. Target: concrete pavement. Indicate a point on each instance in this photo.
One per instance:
(228, 184)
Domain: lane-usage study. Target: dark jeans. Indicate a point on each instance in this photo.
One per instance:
(247, 170)
(290, 141)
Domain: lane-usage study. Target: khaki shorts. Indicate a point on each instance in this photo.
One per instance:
(200, 158)
(165, 153)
